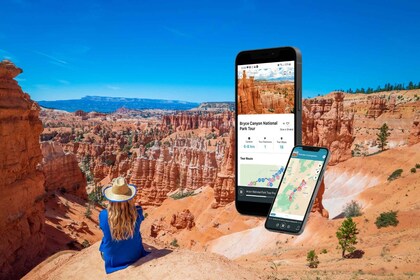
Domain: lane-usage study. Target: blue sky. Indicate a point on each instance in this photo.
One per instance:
(186, 49)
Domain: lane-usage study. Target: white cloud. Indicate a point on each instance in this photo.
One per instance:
(64, 82)
(113, 87)
(54, 60)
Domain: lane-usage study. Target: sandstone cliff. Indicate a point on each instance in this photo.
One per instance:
(256, 97)
(224, 187)
(415, 129)
(188, 121)
(377, 105)
(21, 183)
(249, 99)
(325, 123)
(184, 164)
(61, 170)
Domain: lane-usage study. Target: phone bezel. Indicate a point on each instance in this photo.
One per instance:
(314, 194)
(264, 56)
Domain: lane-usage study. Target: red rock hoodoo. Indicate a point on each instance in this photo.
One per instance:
(224, 187)
(61, 170)
(415, 130)
(318, 206)
(182, 220)
(326, 124)
(184, 164)
(377, 105)
(21, 182)
(249, 99)
(187, 121)
(258, 96)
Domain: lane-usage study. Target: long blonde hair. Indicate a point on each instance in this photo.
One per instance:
(122, 218)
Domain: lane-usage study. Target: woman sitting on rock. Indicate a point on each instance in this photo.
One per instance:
(120, 224)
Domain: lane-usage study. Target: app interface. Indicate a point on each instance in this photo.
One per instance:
(265, 106)
(298, 184)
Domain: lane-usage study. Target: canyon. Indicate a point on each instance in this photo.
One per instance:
(183, 166)
(260, 96)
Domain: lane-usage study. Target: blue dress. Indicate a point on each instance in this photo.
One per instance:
(120, 254)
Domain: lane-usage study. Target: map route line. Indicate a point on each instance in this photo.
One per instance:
(270, 180)
(299, 188)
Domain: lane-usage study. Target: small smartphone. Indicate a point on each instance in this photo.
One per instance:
(298, 189)
(268, 85)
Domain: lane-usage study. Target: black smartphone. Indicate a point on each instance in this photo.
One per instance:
(298, 189)
(268, 85)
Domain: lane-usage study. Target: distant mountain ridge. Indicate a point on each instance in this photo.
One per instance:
(106, 104)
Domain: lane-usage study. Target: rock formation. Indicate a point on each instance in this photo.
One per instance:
(183, 220)
(249, 99)
(377, 105)
(318, 206)
(415, 130)
(255, 97)
(187, 121)
(159, 264)
(184, 164)
(224, 187)
(21, 182)
(326, 124)
(156, 227)
(61, 170)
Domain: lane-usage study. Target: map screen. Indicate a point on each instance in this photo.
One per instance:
(296, 189)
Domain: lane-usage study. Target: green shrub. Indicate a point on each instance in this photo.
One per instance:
(96, 196)
(174, 243)
(324, 251)
(182, 194)
(413, 170)
(352, 209)
(312, 259)
(88, 212)
(417, 165)
(387, 219)
(396, 174)
(85, 243)
(150, 144)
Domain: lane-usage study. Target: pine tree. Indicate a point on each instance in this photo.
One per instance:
(410, 85)
(382, 136)
(347, 236)
(312, 259)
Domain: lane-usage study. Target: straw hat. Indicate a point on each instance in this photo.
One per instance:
(120, 191)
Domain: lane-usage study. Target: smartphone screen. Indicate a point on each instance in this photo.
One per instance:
(266, 127)
(298, 189)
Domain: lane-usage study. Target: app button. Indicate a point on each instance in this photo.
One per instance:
(288, 226)
(277, 225)
(283, 225)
